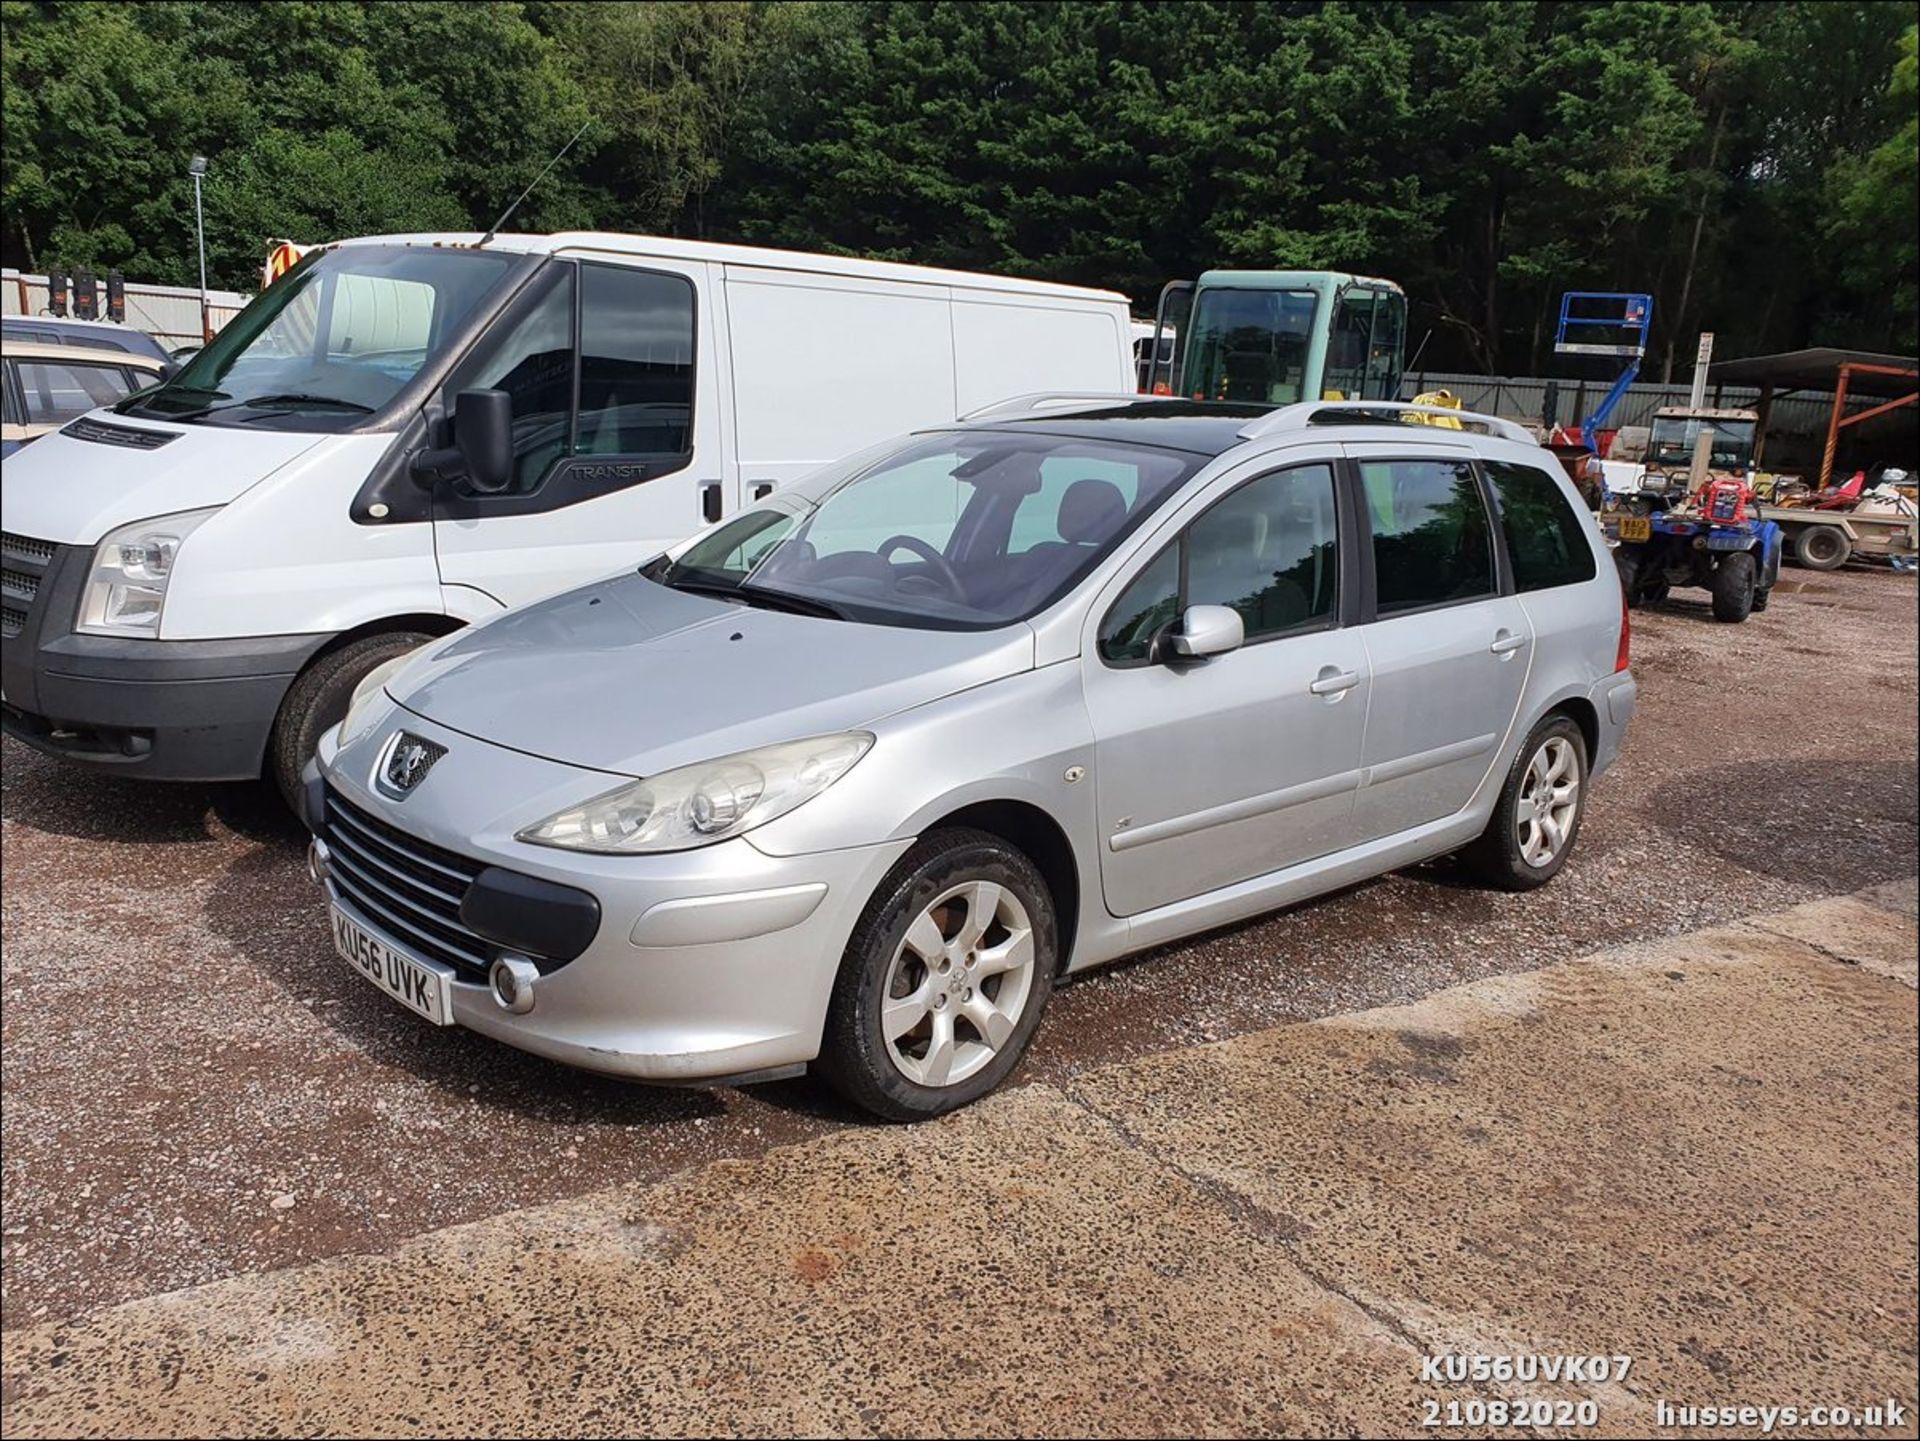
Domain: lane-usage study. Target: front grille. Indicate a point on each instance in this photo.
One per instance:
(101, 433)
(411, 889)
(25, 548)
(23, 561)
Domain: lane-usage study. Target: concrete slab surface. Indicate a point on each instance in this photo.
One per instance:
(1698, 1153)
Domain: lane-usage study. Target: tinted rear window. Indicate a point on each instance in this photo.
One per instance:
(1546, 538)
(1430, 538)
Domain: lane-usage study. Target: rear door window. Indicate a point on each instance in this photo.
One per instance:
(58, 392)
(1431, 541)
(1546, 538)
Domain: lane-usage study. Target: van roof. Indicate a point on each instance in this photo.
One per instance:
(668, 248)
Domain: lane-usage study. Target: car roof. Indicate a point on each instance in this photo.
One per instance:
(14, 348)
(121, 336)
(1200, 427)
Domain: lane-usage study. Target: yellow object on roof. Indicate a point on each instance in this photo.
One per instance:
(1444, 398)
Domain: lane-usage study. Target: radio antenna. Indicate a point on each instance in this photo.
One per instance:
(507, 214)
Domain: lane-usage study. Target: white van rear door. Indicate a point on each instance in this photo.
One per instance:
(612, 363)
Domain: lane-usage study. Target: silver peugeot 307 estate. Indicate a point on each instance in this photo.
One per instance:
(851, 778)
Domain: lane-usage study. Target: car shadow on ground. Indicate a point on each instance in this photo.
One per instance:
(268, 910)
(1834, 824)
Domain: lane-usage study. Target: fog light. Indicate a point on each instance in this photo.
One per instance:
(512, 979)
(317, 858)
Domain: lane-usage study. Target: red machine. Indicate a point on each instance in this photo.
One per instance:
(1724, 500)
(1841, 497)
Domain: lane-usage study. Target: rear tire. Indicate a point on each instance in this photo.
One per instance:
(1734, 586)
(1537, 818)
(318, 699)
(961, 991)
(1822, 547)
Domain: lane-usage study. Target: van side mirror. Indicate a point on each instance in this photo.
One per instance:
(1206, 630)
(482, 451)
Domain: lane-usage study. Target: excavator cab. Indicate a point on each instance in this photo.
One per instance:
(1275, 337)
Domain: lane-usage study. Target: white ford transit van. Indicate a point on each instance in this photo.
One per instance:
(408, 433)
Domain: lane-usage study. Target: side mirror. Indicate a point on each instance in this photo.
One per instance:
(482, 451)
(1207, 630)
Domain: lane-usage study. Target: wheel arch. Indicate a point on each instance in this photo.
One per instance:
(1041, 839)
(1583, 713)
(426, 622)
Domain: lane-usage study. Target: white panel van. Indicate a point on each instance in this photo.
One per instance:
(408, 433)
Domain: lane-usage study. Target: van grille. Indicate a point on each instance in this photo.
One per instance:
(23, 562)
(410, 888)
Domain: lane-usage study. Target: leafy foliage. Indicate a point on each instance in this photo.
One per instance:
(1750, 162)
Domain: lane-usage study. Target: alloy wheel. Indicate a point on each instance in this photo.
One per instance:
(958, 983)
(1548, 802)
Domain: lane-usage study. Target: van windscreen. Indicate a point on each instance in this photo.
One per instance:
(333, 340)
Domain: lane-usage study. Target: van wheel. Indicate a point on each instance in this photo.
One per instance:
(318, 699)
(944, 979)
(1538, 814)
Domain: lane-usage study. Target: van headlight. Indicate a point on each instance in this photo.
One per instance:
(700, 804)
(131, 567)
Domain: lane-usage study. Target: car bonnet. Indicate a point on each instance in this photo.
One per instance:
(630, 677)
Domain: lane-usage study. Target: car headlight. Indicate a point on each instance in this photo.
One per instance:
(127, 588)
(700, 804)
(360, 707)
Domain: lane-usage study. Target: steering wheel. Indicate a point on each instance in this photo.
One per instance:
(943, 571)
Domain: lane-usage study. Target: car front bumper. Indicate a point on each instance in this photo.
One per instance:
(713, 964)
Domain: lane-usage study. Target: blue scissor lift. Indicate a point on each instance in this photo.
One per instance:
(1605, 322)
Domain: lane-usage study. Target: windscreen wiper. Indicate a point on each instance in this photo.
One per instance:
(757, 596)
(293, 399)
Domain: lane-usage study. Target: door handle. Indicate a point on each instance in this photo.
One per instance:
(1334, 682)
(710, 500)
(762, 489)
(1505, 642)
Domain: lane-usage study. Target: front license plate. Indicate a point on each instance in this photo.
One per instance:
(421, 988)
(1636, 527)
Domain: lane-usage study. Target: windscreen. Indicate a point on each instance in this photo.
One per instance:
(1250, 345)
(333, 340)
(1672, 440)
(964, 530)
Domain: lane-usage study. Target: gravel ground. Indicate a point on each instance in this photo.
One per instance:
(195, 1086)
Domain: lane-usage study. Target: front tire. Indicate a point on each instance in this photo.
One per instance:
(944, 979)
(1537, 817)
(1734, 582)
(318, 699)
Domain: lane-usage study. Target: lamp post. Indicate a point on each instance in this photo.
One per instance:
(197, 167)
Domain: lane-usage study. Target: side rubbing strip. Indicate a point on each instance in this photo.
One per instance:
(1429, 760)
(1241, 810)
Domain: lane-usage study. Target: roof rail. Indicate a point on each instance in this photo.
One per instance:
(1299, 417)
(1052, 400)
